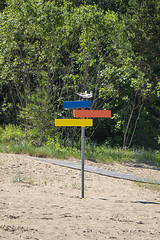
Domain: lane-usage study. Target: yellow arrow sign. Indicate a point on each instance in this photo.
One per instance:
(74, 122)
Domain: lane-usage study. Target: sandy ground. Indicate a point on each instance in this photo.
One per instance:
(41, 201)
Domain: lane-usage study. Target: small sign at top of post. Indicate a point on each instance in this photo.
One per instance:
(77, 104)
(83, 122)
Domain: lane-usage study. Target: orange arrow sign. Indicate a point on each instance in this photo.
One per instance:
(92, 113)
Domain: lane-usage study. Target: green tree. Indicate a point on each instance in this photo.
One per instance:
(143, 28)
(2, 5)
(29, 48)
(63, 47)
(38, 114)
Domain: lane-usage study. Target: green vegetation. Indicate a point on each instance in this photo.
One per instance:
(49, 50)
(12, 143)
(150, 186)
(97, 154)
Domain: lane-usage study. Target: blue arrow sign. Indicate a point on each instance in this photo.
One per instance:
(77, 104)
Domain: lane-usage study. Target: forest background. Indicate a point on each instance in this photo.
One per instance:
(50, 50)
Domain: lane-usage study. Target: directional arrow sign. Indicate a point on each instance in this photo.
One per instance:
(74, 122)
(83, 122)
(92, 113)
(77, 104)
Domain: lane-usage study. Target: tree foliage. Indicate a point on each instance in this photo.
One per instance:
(57, 48)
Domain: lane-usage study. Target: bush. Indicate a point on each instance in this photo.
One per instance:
(11, 134)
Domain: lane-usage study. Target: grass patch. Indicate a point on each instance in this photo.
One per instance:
(108, 154)
(150, 186)
(149, 157)
(21, 178)
(95, 153)
(44, 151)
(12, 140)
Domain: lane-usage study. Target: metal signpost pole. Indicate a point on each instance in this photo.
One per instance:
(83, 122)
(82, 154)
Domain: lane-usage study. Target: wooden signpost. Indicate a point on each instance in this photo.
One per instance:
(81, 123)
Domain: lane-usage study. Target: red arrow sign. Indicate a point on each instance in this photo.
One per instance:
(92, 113)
